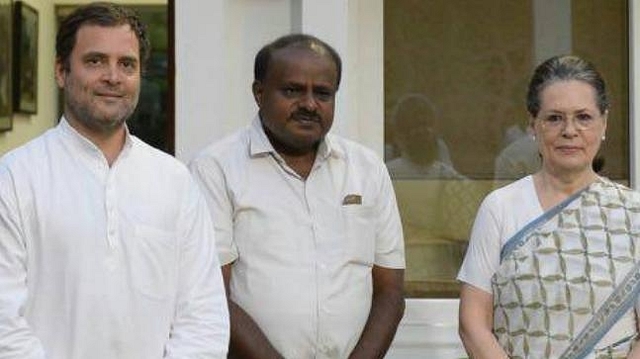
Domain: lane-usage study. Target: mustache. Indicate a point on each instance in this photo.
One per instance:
(306, 115)
(109, 91)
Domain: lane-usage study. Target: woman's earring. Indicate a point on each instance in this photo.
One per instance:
(603, 137)
(534, 138)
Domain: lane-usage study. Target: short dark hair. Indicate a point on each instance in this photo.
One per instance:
(565, 68)
(263, 57)
(101, 14)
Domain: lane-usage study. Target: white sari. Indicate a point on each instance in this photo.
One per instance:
(569, 276)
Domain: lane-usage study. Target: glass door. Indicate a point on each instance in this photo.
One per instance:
(455, 77)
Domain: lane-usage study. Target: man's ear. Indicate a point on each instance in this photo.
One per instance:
(257, 90)
(60, 73)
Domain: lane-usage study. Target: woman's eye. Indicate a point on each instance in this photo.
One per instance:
(584, 117)
(554, 119)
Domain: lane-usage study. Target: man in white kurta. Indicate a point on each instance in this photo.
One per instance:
(105, 262)
(106, 246)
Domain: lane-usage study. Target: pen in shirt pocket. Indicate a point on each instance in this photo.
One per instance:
(352, 199)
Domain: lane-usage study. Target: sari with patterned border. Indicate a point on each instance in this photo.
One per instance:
(567, 277)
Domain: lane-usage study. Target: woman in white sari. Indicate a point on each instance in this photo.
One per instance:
(552, 269)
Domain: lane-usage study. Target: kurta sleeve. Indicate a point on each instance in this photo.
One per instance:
(17, 340)
(201, 325)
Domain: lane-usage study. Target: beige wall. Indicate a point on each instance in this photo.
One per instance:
(26, 127)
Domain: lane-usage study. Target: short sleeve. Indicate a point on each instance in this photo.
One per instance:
(389, 236)
(483, 253)
(211, 180)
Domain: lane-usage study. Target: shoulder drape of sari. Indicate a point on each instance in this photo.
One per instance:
(556, 273)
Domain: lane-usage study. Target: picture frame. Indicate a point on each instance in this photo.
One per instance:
(25, 58)
(6, 83)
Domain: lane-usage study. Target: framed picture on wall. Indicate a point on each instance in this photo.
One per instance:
(25, 58)
(5, 66)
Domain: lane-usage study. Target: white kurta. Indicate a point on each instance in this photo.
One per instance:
(105, 262)
(302, 249)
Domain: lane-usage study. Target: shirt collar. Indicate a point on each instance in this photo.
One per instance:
(259, 142)
(68, 131)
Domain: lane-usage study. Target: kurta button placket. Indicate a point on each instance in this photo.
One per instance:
(112, 219)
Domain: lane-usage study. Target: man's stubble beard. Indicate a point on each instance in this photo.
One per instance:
(90, 117)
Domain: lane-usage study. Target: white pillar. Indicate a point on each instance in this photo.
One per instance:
(200, 73)
(216, 42)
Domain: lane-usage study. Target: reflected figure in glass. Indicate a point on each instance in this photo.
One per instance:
(519, 157)
(419, 149)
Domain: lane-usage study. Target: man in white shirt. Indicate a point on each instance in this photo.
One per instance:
(307, 225)
(106, 246)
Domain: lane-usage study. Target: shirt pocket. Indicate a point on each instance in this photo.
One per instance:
(359, 226)
(153, 262)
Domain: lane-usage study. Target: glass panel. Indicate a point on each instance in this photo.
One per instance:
(6, 93)
(456, 73)
(153, 119)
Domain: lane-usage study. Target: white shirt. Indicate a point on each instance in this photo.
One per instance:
(105, 262)
(301, 259)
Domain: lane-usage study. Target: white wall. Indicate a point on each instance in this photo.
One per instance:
(215, 44)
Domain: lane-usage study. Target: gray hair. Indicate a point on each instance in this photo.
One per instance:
(565, 68)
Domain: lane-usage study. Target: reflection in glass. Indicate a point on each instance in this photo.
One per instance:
(456, 73)
(519, 155)
(419, 151)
